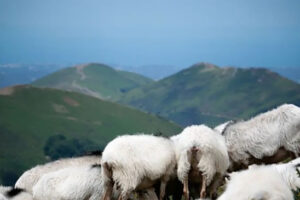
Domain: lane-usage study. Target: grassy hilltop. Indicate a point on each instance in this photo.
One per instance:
(93, 79)
(206, 93)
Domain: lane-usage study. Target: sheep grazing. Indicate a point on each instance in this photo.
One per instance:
(76, 183)
(32, 176)
(268, 138)
(202, 158)
(137, 162)
(256, 184)
(10, 193)
(270, 182)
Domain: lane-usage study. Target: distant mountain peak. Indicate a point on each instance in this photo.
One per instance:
(206, 93)
(81, 66)
(84, 65)
(205, 66)
(94, 79)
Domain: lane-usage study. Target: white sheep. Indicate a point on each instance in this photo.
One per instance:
(2, 197)
(10, 193)
(257, 184)
(289, 173)
(270, 182)
(76, 183)
(270, 137)
(136, 162)
(202, 157)
(3, 191)
(32, 176)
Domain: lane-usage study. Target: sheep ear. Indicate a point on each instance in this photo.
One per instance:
(13, 192)
(297, 165)
(232, 174)
(227, 179)
(297, 170)
(227, 176)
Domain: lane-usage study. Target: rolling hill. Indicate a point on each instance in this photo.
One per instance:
(93, 79)
(32, 118)
(206, 93)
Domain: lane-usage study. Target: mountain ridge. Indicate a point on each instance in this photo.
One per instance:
(204, 93)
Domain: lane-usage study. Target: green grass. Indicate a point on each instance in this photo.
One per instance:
(31, 115)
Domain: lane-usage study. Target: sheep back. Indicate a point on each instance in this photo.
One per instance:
(135, 157)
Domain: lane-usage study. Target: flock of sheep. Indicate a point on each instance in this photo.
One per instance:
(192, 164)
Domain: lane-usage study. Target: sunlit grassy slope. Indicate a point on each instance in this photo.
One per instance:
(29, 116)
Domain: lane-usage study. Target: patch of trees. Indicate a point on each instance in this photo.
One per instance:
(58, 146)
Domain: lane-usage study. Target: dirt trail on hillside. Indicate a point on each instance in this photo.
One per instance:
(79, 70)
(85, 90)
(78, 87)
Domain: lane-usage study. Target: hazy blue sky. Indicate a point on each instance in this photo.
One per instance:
(143, 32)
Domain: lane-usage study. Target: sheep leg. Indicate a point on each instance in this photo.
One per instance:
(217, 181)
(110, 183)
(162, 189)
(108, 192)
(150, 195)
(186, 188)
(177, 191)
(124, 196)
(203, 188)
(163, 184)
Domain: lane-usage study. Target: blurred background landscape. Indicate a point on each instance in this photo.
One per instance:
(75, 74)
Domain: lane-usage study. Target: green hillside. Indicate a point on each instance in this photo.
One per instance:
(205, 93)
(31, 117)
(97, 80)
